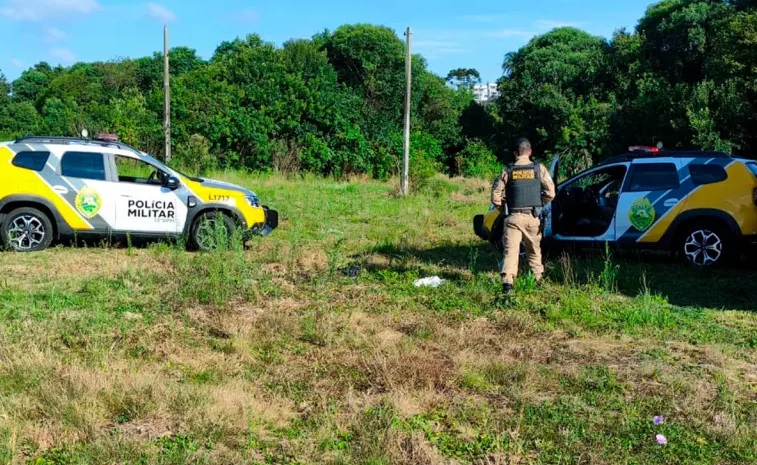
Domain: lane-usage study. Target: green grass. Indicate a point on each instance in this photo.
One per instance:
(275, 355)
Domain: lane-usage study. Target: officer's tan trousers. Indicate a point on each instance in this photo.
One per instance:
(521, 226)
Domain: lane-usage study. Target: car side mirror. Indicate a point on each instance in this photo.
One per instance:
(172, 182)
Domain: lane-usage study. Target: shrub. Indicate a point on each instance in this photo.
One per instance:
(422, 168)
(477, 161)
(195, 156)
(425, 155)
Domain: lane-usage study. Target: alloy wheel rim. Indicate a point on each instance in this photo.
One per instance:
(25, 232)
(703, 247)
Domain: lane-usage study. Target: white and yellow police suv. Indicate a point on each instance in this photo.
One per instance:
(700, 205)
(56, 187)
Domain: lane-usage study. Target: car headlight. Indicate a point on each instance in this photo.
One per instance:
(253, 200)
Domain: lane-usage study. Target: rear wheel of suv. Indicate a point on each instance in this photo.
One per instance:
(704, 245)
(26, 229)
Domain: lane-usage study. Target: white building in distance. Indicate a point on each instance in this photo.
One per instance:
(485, 93)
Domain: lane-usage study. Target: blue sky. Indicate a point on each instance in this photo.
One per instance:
(449, 33)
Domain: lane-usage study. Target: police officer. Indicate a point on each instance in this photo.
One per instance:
(524, 187)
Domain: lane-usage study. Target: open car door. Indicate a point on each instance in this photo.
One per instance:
(553, 167)
(547, 211)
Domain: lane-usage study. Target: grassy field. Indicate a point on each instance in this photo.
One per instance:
(274, 355)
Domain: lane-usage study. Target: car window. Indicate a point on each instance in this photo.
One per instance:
(137, 171)
(653, 177)
(752, 168)
(31, 160)
(707, 174)
(598, 179)
(84, 165)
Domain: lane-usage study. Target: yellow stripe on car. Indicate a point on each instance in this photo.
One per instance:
(717, 196)
(26, 182)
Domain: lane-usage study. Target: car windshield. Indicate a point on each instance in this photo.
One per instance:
(165, 167)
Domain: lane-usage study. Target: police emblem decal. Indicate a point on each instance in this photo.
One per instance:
(642, 214)
(88, 202)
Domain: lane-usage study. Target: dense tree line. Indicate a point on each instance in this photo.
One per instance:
(686, 76)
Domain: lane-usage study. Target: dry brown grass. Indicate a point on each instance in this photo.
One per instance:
(75, 403)
(415, 449)
(65, 265)
(293, 369)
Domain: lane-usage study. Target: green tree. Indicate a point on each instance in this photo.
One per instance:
(149, 70)
(556, 91)
(733, 68)
(464, 77)
(4, 88)
(18, 119)
(370, 60)
(132, 121)
(32, 83)
(667, 73)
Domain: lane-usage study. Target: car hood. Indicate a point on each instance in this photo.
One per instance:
(214, 183)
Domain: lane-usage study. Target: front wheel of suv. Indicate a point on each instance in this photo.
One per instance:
(26, 229)
(704, 245)
(211, 231)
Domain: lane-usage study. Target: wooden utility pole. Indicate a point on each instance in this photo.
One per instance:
(167, 95)
(406, 148)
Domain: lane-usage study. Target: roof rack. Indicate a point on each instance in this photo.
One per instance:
(640, 154)
(74, 140)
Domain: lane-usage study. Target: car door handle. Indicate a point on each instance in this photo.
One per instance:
(670, 203)
(60, 189)
(124, 195)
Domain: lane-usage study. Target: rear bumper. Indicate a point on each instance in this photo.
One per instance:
(267, 227)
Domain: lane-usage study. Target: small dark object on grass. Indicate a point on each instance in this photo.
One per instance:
(352, 272)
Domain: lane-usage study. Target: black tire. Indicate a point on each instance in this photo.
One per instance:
(550, 248)
(26, 229)
(704, 245)
(198, 239)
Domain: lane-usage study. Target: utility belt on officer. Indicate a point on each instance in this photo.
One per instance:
(535, 211)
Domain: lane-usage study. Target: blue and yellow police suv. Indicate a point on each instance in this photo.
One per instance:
(700, 205)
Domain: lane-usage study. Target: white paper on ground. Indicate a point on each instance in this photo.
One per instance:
(434, 281)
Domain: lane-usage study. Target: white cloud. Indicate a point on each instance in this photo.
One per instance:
(160, 13)
(43, 10)
(64, 55)
(437, 48)
(18, 63)
(509, 33)
(451, 50)
(485, 18)
(247, 16)
(53, 34)
(433, 43)
(546, 24)
(538, 27)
